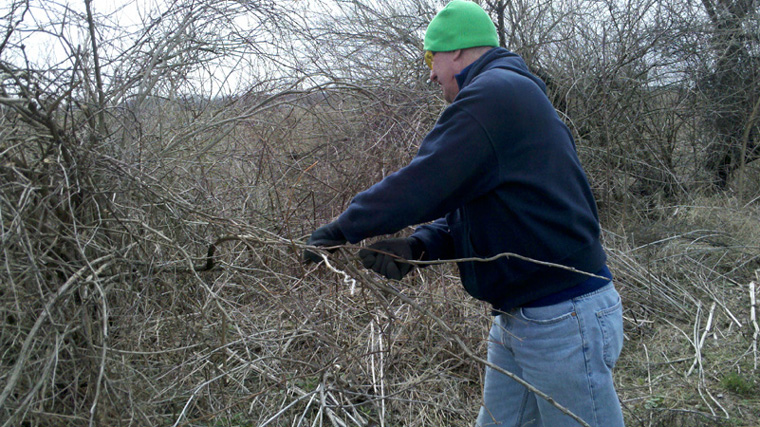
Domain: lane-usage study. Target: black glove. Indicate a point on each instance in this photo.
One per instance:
(384, 256)
(326, 235)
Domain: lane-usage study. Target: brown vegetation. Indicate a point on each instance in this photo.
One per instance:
(151, 229)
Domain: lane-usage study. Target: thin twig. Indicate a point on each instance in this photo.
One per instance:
(96, 62)
(753, 320)
(101, 371)
(700, 342)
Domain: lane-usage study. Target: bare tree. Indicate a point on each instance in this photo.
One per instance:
(729, 81)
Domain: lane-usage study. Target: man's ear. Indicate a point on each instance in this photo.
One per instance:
(458, 54)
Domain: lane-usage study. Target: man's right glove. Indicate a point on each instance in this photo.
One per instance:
(384, 256)
(326, 235)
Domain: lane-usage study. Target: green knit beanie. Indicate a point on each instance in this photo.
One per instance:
(460, 25)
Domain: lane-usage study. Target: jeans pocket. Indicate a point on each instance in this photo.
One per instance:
(611, 324)
(548, 314)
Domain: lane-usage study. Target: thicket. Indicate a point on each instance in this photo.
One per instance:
(158, 182)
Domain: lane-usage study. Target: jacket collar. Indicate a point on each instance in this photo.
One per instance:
(462, 76)
(497, 57)
(468, 73)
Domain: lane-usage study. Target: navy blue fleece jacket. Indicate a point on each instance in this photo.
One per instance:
(498, 173)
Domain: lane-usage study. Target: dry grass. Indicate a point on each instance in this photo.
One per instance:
(689, 356)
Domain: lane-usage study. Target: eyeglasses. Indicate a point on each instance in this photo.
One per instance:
(429, 58)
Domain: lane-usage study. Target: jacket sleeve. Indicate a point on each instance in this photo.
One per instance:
(456, 163)
(436, 239)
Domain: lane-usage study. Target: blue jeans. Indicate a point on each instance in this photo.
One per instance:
(566, 350)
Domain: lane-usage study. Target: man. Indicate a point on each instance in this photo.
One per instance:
(499, 174)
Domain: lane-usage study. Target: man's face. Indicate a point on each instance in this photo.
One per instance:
(445, 66)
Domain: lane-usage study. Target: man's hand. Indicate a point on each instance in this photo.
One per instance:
(385, 257)
(327, 235)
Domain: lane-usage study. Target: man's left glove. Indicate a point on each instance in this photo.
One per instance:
(326, 235)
